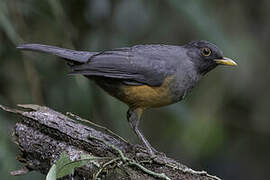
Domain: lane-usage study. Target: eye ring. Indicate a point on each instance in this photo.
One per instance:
(206, 51)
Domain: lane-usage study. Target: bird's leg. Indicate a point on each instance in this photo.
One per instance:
(134, 116)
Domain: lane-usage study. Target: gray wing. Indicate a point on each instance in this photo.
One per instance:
(134, 66)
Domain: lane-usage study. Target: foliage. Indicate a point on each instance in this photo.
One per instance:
(64, 166)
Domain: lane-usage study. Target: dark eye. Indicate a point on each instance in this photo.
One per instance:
(206, 51)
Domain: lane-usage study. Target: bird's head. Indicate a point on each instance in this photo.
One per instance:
(206, 56)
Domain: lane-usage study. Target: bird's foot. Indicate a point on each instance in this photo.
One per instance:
(148, 151)
(153, 152)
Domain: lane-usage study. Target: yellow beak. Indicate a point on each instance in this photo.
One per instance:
(226, 61)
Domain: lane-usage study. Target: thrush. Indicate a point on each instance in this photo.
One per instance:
(143, 76)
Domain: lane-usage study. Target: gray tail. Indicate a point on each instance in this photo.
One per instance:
(78, 56)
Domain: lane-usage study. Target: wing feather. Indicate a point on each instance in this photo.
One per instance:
(126, 65)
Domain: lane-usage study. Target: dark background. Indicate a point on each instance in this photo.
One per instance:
(222, 127)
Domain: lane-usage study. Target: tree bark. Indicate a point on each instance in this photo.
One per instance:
(42, 134)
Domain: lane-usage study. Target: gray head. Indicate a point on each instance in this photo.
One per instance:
(206, 56)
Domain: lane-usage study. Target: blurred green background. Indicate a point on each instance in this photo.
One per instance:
(222, 127)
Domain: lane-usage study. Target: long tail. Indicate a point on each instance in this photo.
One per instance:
(78, 56)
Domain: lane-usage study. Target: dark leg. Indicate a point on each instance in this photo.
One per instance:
(134, 116)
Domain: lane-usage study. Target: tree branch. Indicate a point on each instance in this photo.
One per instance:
(42, 134)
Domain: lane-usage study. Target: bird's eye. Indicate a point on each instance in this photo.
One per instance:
(206, 51)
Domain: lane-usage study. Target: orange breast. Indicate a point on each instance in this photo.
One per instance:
(145, 96)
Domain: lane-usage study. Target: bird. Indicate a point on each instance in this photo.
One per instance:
(143, 76)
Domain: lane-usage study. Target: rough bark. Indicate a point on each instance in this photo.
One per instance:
(42, 134)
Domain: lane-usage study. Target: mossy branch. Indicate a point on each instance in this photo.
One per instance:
(42, 134)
